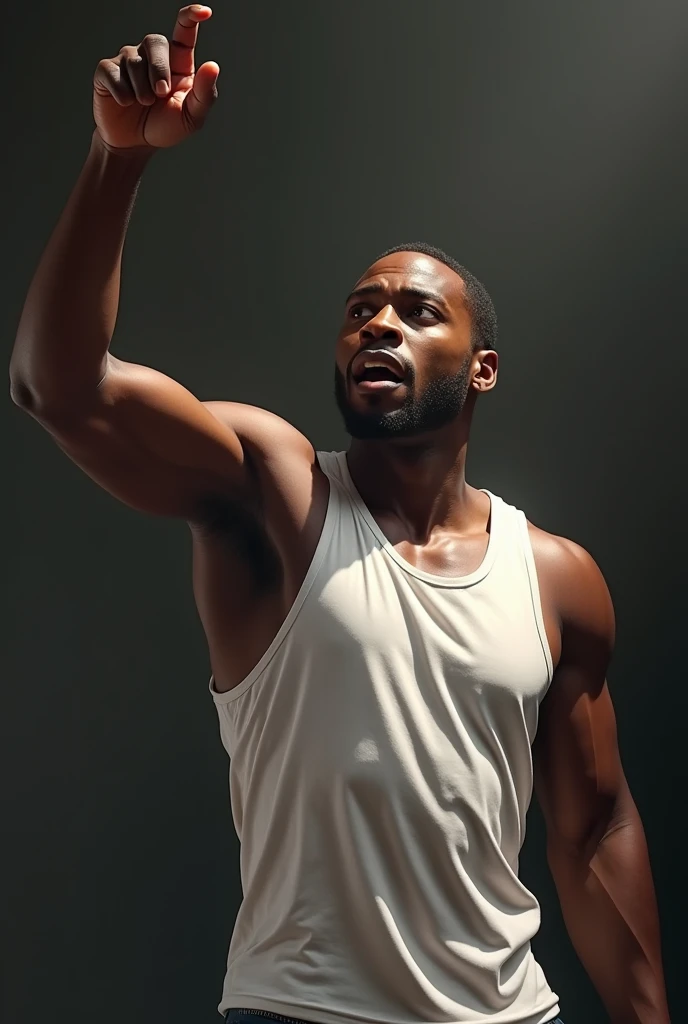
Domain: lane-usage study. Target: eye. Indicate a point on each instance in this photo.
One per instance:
(418, 312)
(360, 311)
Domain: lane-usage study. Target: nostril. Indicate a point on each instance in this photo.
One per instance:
(381, 331)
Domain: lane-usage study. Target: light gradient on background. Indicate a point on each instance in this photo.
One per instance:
(545, 146)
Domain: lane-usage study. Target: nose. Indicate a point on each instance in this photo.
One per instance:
(384, 326)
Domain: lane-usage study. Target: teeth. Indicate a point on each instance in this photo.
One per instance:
(369, 363)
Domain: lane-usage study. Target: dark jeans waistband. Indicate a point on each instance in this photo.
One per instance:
(240, 1016)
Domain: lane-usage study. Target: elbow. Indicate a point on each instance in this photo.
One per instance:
(577, 843)
(21, 394)
(27, 399)
(579, 835)
(50, 396)
(48, 410)
(21, 391)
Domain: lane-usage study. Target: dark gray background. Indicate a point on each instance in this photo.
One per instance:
(544, 145)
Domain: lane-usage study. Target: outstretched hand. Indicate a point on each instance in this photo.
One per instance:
(151, 94)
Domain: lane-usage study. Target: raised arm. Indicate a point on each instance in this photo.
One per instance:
(596, 845)
(142, 436)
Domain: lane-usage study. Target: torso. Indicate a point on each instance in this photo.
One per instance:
(244, 586)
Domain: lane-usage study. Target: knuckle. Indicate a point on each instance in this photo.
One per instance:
(106, 72)
(155, 39)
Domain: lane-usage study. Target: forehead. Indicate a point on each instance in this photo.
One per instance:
(416, 270)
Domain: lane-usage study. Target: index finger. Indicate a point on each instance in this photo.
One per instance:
(184, 38)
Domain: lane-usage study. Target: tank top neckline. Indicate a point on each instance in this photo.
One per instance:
(496, 527)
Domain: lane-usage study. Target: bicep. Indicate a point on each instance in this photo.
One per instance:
(151, 443)
(578, 772)
(577, 767)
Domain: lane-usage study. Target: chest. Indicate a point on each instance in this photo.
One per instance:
(445, 555)
(388, 684)
(379, 622)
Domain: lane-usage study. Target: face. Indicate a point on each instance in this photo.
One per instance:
(404, 356)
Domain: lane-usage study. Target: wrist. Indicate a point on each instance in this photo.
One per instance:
(131, 158)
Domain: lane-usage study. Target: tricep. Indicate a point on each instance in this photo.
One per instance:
(151, 443)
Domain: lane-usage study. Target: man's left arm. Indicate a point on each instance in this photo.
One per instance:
(596, 846)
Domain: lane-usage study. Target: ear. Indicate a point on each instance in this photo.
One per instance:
(485, 369)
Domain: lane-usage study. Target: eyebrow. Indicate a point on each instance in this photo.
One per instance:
(411, 293)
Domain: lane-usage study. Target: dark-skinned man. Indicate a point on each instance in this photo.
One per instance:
(397, 656)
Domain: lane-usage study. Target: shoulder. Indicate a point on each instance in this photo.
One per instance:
(563, 559)
(575, 584)
(292, 488)
(278, 453)
(261, 429)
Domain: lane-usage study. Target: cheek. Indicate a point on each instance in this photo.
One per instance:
(431, 366)
(445, 362)
(346, 347)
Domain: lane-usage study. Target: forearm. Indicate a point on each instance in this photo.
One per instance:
(71, 307)
(609, 906)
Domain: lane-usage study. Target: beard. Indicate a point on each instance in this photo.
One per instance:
(439, 403)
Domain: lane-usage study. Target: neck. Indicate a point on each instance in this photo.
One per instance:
(420, 481)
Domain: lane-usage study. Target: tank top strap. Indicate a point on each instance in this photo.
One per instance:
(331, 465)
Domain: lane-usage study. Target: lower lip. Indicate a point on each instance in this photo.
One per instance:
(377, 385)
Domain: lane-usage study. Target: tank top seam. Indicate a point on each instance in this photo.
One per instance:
(290, 618)
(535, 598)
(497, 515)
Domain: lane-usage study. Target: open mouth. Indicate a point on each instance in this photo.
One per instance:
(371, 373)
(377, 378)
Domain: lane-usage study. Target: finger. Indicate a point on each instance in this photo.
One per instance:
(202, 95)
(156, 50)
(135, 67)
(184, 38)
(109, 78)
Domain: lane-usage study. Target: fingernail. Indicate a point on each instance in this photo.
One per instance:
(161, 88)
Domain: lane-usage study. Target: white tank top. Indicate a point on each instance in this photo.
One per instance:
(380, 775)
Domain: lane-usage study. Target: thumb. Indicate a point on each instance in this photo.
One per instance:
(202, 94)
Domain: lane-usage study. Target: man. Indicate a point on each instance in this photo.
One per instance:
(390, 646)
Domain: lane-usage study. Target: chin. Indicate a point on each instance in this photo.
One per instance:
(366, 418)
(376, 426)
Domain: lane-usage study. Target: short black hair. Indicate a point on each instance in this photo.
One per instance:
(480, 305)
